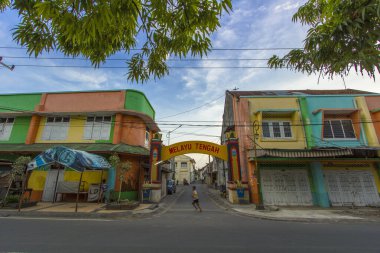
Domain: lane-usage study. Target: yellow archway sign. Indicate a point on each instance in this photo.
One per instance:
(186, 147)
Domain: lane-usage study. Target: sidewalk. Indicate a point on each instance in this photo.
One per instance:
(85, 210)
(306, 214)
(89, 210)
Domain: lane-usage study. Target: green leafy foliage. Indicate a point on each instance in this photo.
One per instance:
(12, 199)
(19, 166)
(342, 35)
(123, 168)
(97, 29)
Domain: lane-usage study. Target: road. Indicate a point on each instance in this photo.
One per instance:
(182, 229)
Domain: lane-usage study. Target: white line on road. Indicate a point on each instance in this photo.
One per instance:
(51, 218)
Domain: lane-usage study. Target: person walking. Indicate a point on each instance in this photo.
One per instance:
(195, 197)
(103, 191)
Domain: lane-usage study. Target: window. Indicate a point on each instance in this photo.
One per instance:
(6, 125)
(338, 129)
(277, 129)
(147, 138)
(97, 128)
(56, 128)
(183, 164)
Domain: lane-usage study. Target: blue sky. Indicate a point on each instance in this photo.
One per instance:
(252, 24)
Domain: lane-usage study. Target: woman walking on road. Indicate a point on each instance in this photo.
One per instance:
(195, 197)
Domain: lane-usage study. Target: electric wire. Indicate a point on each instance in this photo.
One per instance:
(127, 59)
(213, 49)
(193, 109)
(126, 67)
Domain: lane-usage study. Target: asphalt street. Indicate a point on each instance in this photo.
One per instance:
(179, 228)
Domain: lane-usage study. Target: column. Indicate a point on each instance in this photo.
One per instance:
(154, 186)
(33, 129)
(118, 126)
(319, 184)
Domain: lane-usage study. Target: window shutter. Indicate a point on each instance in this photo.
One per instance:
(7, 131)
(287, 129)
(96, 131)
(87, 134)
(47, 131)
(327, 132)
(2, 131)
(276, 129)
(337, 128)
(266, 132)
(63, 129)
(348, 129)
(105, 132)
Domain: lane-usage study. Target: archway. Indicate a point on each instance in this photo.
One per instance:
(228, 152)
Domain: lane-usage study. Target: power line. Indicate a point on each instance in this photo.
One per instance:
(193, 109)
(127, 59)
(212, 49)
(126, 67)
(172, 123)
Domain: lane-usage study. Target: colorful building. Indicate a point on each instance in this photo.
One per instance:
(102, 122)
(184, 166)
(307, 147)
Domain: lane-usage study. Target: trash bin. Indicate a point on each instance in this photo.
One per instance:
(240, 195)
(146, 195)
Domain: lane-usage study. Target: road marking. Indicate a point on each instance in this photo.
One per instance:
(55, 219)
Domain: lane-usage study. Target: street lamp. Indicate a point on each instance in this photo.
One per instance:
(10, 67)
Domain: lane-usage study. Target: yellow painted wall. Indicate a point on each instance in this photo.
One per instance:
(350, 167)
(74, 134)
(89, 177)
(365, 116)
(298, 141)
(37, 178)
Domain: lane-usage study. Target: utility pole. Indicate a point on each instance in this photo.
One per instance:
(210, 170)
(172, 159)
(256, 127)
(10, 67)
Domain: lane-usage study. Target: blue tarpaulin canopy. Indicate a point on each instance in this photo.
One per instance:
(71, 158)
(75, 159)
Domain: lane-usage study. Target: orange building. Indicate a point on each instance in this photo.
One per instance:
(102, 122)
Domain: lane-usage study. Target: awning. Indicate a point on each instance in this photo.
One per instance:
(89, 147)
(277, 112)
(335, 111)
(75, 159)
(322, 153)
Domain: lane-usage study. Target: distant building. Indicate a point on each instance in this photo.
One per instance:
(184, 166)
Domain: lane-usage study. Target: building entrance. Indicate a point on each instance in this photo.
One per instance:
(228, 152)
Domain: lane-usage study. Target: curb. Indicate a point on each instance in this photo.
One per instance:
(226, 205)
(80, 215)
(153, 210)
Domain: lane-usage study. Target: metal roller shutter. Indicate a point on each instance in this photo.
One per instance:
(286, 187)
(351, 188)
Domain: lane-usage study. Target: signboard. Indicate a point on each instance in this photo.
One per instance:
(186, 147)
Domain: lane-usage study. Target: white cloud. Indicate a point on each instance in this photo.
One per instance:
(286, 6)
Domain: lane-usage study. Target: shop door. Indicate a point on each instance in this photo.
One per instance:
(349, 187)
(286, 187)
(51, 178)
